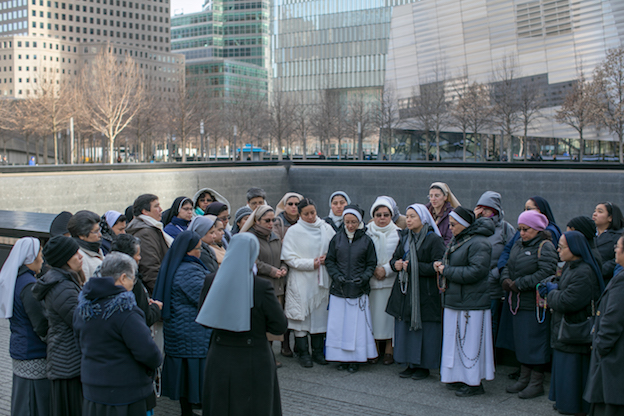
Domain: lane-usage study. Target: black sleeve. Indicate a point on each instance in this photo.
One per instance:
(331, 262)
(437, 247)
(399, 252)
(152, 312)
(35, 311)
(205, 288)
(276, 322)
(371, 260)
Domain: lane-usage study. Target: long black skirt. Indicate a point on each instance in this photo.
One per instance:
(139, 408)
(30, 397)
(568, 380)
(605, 409)
(523, 334)
(66, 397)
(420, 348)
(183, 377)
(241, 380)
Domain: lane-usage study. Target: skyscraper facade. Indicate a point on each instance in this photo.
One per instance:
(62, 35)
(226, 46)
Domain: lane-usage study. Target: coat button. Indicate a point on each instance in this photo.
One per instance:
(248, 342)
(598, 313)
(218, 339)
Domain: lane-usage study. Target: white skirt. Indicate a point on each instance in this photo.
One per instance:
(467, 352)
(314, 323)
(383, 324)
(349, 333)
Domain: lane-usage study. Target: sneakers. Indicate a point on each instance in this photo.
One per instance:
(467, 391)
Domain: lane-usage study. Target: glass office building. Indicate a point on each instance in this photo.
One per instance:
(549, 40)
(226, 44)
(329, 44)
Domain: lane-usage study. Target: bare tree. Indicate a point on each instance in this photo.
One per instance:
(281, 119)
(387, 117)
(111, 93)
(340, 120)
(184, 115)
(146, 121)
(48, 108)
(530, 101)
(360, 119)
(244, 111)
(609, 81)
(579, 109)
(505, 102)
(323, 119)
(431, 109)
(302, 124)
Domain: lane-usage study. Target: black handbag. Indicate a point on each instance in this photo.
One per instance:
(577, 333)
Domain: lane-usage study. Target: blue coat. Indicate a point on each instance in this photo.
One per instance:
(28, 319)
(185, 338)
(118, 353)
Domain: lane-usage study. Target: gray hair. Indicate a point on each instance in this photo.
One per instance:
(116, 263)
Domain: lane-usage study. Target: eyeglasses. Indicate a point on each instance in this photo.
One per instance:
(268, 220)
(98, 231)
(292, 203)
(435, 196)
(382, 214)
(206, 200)
(186, 209)
(524, 230)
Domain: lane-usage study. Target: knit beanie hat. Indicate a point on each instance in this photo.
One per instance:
(59, 250)
(533, 219)
(463, 216)
(241, 212)
(59, 224)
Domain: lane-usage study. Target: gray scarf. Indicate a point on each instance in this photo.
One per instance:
(413, 243)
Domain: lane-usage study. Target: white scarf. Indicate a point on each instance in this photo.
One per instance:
(313, 238)
(380, 237)
(25, 251)
(157, 224)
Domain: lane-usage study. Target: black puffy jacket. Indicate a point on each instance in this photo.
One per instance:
(59, 292)
(578, 286)
(399, 304)
(467, 266)
(527, 270)
(604, 244)
(350, 264)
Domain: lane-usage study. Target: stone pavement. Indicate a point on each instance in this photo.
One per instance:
(374, 390)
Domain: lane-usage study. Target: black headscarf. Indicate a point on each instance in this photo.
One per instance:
(544, 208)
(585, 226)
(183, 243)
(216, 208)
(168, 215)
(59, 224)
(578, 245)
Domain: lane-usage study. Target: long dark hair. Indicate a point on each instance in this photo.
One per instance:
(615, 213)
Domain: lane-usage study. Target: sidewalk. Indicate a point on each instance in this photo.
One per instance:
(374, 390)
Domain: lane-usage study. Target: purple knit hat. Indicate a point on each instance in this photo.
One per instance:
(533, 219)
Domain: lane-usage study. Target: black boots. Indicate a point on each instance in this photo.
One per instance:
(317, 348)
(286, 351)
(535, 388)
(303, 351)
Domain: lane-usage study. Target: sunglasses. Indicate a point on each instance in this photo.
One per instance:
(266, 221)
(382, 215)
(292, 203)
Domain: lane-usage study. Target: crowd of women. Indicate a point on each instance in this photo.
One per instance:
(114, 309)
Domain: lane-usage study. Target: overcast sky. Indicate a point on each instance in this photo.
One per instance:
(185, 6)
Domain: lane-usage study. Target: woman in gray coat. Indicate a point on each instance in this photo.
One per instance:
(604, 384)
(467, 351)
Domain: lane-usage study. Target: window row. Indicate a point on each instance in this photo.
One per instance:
(111, 2)
(63, 16)
(135, 26)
